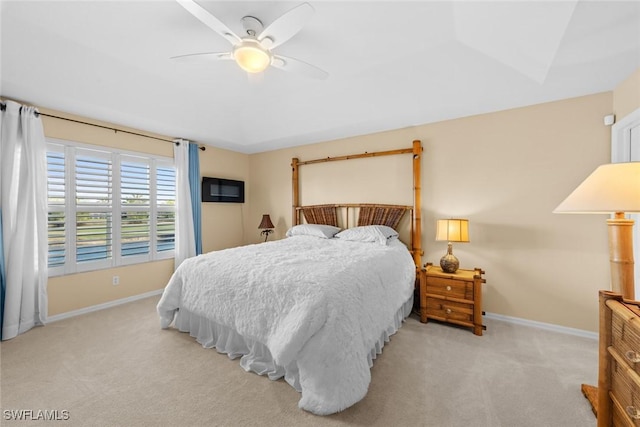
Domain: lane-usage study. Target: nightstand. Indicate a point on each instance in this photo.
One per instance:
(452, 297)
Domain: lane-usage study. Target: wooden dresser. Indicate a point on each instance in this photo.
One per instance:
(452, 297)
(618, 391)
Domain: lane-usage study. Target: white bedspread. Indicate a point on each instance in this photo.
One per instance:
(316, 303)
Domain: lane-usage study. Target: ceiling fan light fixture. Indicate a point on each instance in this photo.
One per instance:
(251, 56)
(252, 52)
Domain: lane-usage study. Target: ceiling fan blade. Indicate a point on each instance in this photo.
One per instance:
(296, 66)
(209, 20)
(203, 57)
(287, 25)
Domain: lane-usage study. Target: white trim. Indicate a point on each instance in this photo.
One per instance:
(91, 309)
(621, 138)
(493, 316)
(542, 325)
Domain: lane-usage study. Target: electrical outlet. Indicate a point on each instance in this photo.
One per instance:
(116, 280)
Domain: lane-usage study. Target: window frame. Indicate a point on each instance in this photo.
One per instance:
(70, 149)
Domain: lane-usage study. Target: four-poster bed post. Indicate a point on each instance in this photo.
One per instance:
(417, 217)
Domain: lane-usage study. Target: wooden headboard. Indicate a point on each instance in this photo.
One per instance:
(352, 214)
(368, 214)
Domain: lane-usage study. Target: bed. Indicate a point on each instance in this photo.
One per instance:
(314, 308)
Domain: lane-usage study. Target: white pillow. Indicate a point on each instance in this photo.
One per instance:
(317, 230)
(369, 233)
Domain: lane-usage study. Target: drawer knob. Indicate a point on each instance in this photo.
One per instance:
(448, 288)
(448, 311)
(632, 356)
(633, 412)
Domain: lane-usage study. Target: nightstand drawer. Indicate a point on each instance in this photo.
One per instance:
(450, 288)
(449, 310)
(626, 339)
(452, 297)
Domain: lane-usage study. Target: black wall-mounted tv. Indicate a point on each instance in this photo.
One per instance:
(222, 190)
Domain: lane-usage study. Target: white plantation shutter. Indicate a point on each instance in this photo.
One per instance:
(107, 208)
(135, 209)
(166, 205)
(56, 197)
(94, 209)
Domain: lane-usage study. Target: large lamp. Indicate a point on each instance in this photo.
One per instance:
(451, 230)
(612, 188)
(266, 226)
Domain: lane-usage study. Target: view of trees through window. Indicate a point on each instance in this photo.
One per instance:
(123, 205)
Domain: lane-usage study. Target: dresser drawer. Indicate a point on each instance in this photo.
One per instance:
(450, 288)
(625, 338)
(449, 310)
(625, 388)
(620, 418)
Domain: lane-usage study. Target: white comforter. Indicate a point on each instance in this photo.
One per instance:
(321, 304)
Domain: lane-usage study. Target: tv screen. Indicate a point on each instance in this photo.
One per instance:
(222, 190)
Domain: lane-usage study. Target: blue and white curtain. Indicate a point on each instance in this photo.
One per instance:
(195, 185)
(23, 213)
(188, 225)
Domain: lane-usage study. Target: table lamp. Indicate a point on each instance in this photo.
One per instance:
(266, 226)
(612, 188)
(451, 230)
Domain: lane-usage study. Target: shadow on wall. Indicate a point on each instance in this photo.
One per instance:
(281, 228)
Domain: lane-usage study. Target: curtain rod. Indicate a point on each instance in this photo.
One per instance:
(3, 107)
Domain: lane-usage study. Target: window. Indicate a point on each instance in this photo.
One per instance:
(107, 208)
(92, 191)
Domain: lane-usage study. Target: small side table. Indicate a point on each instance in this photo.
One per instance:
(452, 297)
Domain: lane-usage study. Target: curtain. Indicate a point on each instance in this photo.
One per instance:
(185, 239)
(23, 202)
(196, 194)
(2, 275)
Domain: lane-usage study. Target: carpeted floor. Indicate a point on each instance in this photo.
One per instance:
(116, 367)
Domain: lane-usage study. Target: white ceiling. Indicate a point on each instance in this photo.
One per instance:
(391, 64)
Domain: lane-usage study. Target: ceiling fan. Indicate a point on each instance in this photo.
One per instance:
(253, 52)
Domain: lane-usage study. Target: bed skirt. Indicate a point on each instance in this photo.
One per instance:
(255, 356)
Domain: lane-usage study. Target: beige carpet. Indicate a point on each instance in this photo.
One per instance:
(116, 367)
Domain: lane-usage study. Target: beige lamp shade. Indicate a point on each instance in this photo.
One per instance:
(610, 188)
(452, 230)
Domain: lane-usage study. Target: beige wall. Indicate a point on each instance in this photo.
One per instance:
(506, 172)
(626, 97)
(222, 224)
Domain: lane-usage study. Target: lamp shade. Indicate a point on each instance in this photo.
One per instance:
(266, 222)
(452, 230)
(613, 187)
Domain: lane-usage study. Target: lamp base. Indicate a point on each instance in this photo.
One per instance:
(266, 234)
(449, 263)
(621, 255)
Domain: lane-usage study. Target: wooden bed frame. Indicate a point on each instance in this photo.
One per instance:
(368, 214)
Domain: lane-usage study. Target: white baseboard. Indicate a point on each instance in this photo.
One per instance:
(501, 317)
(98, 307)
(542, 325)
